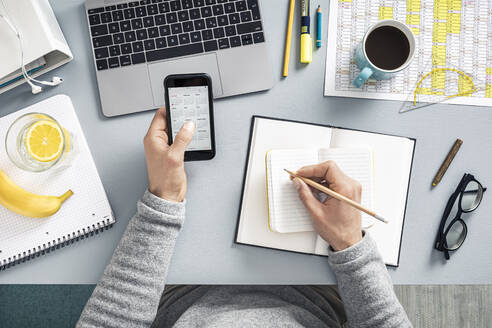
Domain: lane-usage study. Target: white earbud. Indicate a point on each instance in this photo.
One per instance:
(34, 88)
(54, 81)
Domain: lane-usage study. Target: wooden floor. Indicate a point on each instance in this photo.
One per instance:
(450, 306)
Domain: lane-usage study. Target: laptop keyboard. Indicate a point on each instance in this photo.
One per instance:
(136, 32)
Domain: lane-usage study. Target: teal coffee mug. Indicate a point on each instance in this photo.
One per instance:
(387, 48)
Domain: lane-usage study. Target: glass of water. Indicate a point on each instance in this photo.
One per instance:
(36, 142)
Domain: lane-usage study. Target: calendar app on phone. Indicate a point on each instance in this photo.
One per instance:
(191, 104)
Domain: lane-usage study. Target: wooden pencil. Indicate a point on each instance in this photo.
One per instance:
(447, 161)
(336, 195)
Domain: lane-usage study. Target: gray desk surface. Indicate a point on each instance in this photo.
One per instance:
(205, 252)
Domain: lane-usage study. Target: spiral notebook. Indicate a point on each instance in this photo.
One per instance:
(392, 158)
(86, 213)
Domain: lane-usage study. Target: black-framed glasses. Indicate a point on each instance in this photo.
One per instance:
(465, 199)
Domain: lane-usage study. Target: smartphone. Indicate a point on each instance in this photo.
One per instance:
(189, 97)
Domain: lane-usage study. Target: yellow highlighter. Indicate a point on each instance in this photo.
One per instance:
(306, 41)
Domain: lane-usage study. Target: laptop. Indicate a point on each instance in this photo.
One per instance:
(136, 44)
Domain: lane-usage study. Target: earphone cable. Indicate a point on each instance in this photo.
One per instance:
(25, 73)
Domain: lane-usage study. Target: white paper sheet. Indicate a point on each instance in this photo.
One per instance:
(459, 30)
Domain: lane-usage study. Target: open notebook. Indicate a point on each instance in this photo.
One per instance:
(85, 213)
(385, 180)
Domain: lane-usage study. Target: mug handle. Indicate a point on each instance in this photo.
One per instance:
(362, 77)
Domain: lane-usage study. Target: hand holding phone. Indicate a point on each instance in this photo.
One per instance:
(189, 97)
(165, 163)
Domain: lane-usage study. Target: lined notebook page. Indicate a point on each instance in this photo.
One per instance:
(357, 164)
(87, 210)
(286, 213)
(392, 165)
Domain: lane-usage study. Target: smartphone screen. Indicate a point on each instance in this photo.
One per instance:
(189, 97)
(191, 104)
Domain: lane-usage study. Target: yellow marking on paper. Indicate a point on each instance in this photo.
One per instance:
(454, 5)
(423, 91)
(415, 30)
(439, 32)
(467, 77)
(438, 55)
(438, 80)
(441, 9)
(345, 0)
(413, 19)
(385, 13)
(413, 5)
(454, 23)
(488, 90)
(465, 86)
(428, 91)
(489, 71)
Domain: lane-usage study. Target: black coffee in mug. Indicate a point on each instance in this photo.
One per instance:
(387, 47)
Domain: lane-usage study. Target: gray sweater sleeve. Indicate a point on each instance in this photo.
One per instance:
(365, 287)
(129, 291)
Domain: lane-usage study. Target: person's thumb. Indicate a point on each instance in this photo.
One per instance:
(313, 205)
(183, 138)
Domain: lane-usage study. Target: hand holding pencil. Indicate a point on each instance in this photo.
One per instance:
(337, 222)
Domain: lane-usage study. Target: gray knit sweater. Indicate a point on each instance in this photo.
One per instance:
(129, 291)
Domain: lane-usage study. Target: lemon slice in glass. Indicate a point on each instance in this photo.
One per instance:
(44, 141)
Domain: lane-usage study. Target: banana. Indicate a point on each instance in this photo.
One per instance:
(28, 204)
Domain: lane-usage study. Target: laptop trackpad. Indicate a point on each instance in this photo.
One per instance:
(198, 64)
